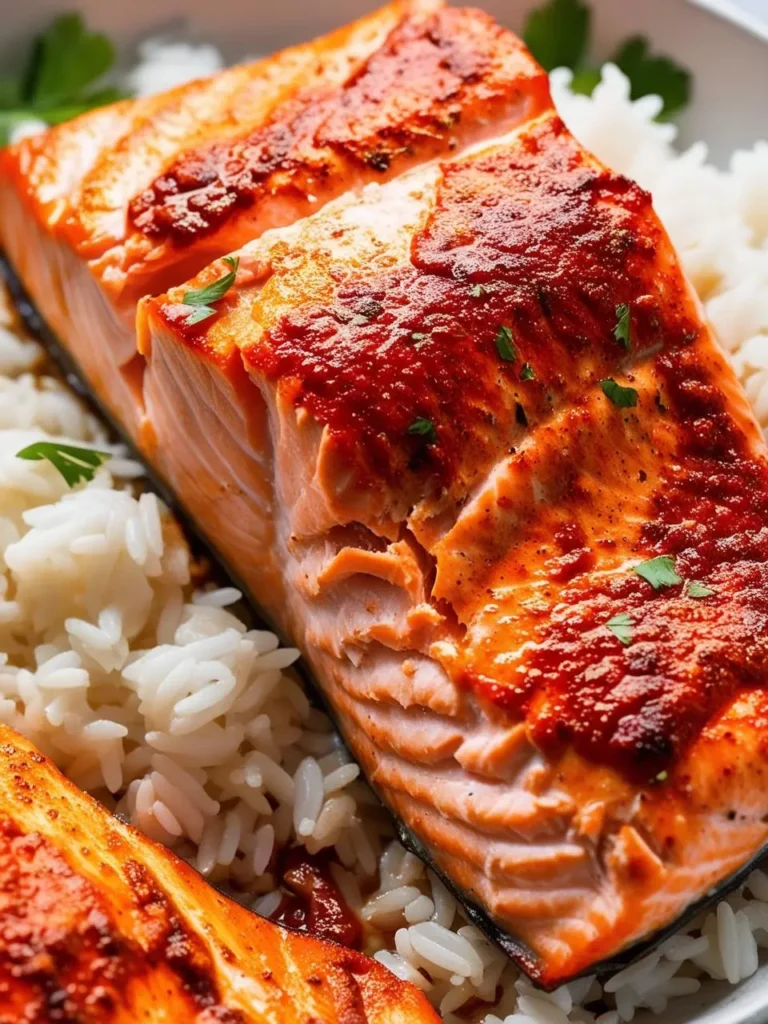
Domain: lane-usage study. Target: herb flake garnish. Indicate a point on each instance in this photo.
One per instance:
(505, 345)
(621, 330)
(622, 627)
(60, 78)
(698, 590)
(624, 398)
(527, 372)
(659, 572)
(203, 298)
(661, 776)
(419, 336)
(425, 428)
(558, 32)
(74, 464)
(478, 291)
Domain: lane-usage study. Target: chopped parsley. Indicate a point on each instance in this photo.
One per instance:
(622, 627)
(659, 572)
(624, 398)
(558, 35)
(198, 314)
(662, 776)
(425, 428)
(203, 298)
(697, 590)
(479, 291)
(621, 330)
(505, 345)
(74, 464)
(61, 77)
(527, 372)
(418, 336)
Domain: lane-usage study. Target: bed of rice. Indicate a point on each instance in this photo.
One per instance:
(154, 694)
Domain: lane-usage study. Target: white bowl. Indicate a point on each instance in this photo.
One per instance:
(723, 42)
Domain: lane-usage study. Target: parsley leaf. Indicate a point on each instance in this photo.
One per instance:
(624, 398)
(695, 589)
(557, 33)
(478, 291)
(622, 328)
(419, 336)
(198, 314)
(65, 64)
(527, 372)
(505, 345)
(658, 75)
(425, 428)
(204, 297)
(659, 572)
(585, 81)
(622, 627)
(68, 58)
(74, 464)
(661, 776)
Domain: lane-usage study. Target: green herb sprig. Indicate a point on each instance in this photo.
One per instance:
(74, 464)
(203, 298)
(558, 35)
(62, 77)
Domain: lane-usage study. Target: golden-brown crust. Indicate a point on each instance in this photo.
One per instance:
(99, 924)
(583, 791)
(407, 98)
(149, 191)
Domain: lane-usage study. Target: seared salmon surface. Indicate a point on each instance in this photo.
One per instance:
(468, 440)
(101, 924)
(134, 199)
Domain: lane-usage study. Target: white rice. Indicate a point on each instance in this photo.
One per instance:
(167, 706)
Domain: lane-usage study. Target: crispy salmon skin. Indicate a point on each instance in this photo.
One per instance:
(467, 438)
(98, 923)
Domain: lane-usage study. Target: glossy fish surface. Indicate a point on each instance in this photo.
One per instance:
(468, 440)
(101, 924)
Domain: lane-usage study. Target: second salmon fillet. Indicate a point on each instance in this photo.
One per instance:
(131, 199)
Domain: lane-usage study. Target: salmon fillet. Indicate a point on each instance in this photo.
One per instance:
(404, 393)
(131, 199)
(468, 440)
(101, 924)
